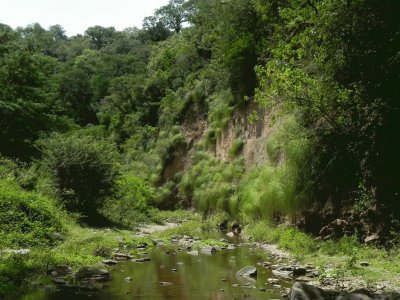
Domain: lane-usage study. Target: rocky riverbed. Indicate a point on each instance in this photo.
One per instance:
(184, 267)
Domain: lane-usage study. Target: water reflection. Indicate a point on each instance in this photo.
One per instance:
(184, 276)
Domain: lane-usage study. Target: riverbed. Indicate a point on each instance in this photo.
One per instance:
(173, 273)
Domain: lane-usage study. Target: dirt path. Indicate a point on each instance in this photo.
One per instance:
(152, 228)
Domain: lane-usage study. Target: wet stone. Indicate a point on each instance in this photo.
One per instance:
(249, 271)
(165, 283)
(110, 262)
(92, 274)
(208, 250)
(272, 280)
(122, 256)
(141, 260)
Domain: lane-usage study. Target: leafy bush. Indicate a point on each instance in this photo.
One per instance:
(130, 204)
(27, 218)
(83, 165)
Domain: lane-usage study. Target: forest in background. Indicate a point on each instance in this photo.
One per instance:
(90, 123)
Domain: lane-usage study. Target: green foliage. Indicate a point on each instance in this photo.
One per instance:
(211, 183)
(220, 111)
(24, 98)
(28, 219)
(236, 148)
(83, 165)
(130, 203)
(334, 61)
(274, 189)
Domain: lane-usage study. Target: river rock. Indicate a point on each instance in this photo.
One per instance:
(142, 245)
(304, 279)
(193, 253)
(92, 274)
(165, 283)
(272, 280)
(364, 264)
(122, 256)
(285, 272)
(231, 247)
(249, 271)
(128, 279)
(59, 281)
(276, 286)
(141, 260)
(158, 242)
(61, 270)
(372, 238)
(302, 291)
(236, 228)
(110, 262)
(208, 250)
(299, 271)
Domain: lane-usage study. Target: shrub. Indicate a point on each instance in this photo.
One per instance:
(130, 204)
(83, 165)
(27, 218)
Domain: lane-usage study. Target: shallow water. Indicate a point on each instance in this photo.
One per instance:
(206, 276)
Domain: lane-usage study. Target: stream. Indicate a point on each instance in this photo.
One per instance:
(174, 274)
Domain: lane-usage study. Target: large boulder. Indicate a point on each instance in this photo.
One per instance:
(302, 291)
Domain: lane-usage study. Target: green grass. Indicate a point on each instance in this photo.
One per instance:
(272, 189)
(28, 219)
(211, 183)
(343, 255)
(236, 149)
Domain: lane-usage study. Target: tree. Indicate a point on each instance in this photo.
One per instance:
(83, 165)
(174, 14)
(100, 36)
(25, 85)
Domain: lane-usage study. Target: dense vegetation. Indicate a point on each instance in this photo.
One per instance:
(90, 125)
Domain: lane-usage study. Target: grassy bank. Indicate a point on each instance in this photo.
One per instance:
(336, 259)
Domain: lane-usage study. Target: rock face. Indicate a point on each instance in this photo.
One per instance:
(92, 274)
